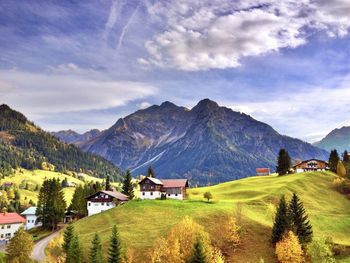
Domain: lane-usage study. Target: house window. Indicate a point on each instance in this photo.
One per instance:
(2, 235)
(89, 204)
(168, 194)
(102, 203)
(175, 194)
(151, 193)
(2, 227)
(8, 235)
(143, 193)
(28, 221)
(9, 226)
(107, 204)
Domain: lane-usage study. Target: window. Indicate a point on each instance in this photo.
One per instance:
(28, 221)
(102, 203)
(168, 194)
(143, 193)
(107, 204)
(2, 235)
(175, 194)
(8, 235)
(9, 226)
(33, 221)
(89, 204)
(151, 193)
(2, 227)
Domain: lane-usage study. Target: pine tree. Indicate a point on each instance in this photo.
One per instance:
(150, 172)
(333, 161)
(67, 237)
(281, 224)
(115, 249)
(75, 253)
(128, 188)
(198, 255)
(299, 222)
(96, 250)
(346, 157)
(20, 247)
(108, 184)
(283, 163)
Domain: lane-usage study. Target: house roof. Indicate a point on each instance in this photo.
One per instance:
(11, 218)
(170, 183)
(29, 211)
(262, 170)
(306, 161)
(117, 195)
(152, 179)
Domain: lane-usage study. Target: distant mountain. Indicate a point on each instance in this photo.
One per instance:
(337, 139)
(23, 144)
(207, 144)
(73, 137)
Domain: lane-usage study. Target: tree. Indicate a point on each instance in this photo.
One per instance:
(75, 253)
(150, 172)
(67, 237)
(128, 188)
(20, 247)
(199, 255)
(289, 250)
(108, 184)
(299, 222)
(341, 170)
(233, 233)
(208, 196)
(320, 250)
(333, 161)
(346, 157)
(281, 224)
(115, 248)
(283, 163)
(96, 250)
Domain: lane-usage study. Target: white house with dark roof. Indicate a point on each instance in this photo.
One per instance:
(153, 188)
(104, 200)
(30, 216)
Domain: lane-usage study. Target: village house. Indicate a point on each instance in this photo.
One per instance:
(310, 166)
(30, 216)
(104, 200)
(9, 224)
(152, 188)
(262, 171)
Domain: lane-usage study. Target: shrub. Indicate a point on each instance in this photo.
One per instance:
(320, 251)
(289, 249)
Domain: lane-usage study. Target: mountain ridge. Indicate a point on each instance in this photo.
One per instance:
(338, 138)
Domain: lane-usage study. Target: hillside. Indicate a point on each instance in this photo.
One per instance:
(73, 137)
(23, 144)
(337, 139)
(207, 144)
(141, 222)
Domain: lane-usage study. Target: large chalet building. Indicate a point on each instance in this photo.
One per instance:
(311, 166)
(104, 200)
(9, 224)
(152, 188)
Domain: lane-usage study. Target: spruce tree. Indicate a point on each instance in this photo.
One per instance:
(115, 249)
(283, 163)
(68, 235)
(128, 188)
(108, 184)
(281, 224)
(75, 253)
(96, 250)
(333, 161)
(150, 172)
(199, 255)
(299, 222)
(346, 157)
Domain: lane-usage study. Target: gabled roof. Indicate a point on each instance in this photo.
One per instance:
(262, 170)
(117, 195)
(306, 161)
(152, 179)
(11, 218)
(29, 211)
(171, 183)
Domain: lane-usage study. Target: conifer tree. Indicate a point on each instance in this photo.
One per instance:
(108, 184)
(20, 247)
(115, 249)
(283, 163)
(96, 250)
(299, 222)
(67, 237)
(333, 161)
(281, 224)
(198, 255)
(346, 157)
(75, 253)
(128, 188)
(150, 172)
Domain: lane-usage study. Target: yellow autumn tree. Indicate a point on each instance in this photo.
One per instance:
(341, 170)
(20, 247)
(234, 232)
(289, 250)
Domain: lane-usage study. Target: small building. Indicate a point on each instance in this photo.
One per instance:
(104, 200)
(30, 216)
(311, 166)
(262, 171)
(153, 188)
(9, 224)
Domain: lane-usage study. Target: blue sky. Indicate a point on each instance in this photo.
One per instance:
(84, 64)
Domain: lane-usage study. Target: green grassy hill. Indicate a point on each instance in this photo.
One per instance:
(141, 222)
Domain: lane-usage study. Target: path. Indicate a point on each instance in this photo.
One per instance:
(38, 252)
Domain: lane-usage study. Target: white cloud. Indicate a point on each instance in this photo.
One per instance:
(144, 105)
(200, 35)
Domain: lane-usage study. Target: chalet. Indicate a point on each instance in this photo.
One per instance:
(104, 200)
(262, 171)
(152, 188)
(30, 216)
(311, 165)
(9, 224)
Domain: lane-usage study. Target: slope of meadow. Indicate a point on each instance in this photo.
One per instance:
(142, 222)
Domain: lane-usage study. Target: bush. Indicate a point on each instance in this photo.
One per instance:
(289, 249)
(320, 251)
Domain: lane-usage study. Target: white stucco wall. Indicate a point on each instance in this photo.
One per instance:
(174, 196)
(8, 230)
(98, 207)
(30, 222)
(150, 195)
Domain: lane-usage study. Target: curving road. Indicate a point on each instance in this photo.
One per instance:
(38, 252)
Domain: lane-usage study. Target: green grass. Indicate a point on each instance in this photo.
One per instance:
(39, 233)
(141, 222)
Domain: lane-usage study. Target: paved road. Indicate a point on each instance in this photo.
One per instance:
(38, 252)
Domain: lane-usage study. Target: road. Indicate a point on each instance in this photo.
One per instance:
(38, 252)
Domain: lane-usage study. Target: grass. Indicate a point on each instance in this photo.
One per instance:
(141, 222)
(39, 233)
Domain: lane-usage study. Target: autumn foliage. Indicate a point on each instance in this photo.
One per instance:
(289, 249)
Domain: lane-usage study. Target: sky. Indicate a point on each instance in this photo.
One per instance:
(83, 64)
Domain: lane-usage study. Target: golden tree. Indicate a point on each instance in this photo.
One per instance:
(289, 250)
(20, 247)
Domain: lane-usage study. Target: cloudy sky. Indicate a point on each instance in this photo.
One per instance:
(83, 64)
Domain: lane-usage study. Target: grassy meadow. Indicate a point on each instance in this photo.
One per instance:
(141, 222)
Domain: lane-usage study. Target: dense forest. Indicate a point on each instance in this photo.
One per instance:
(23, 144)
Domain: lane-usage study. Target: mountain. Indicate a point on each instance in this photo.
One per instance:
(207, 144)
(337, 139)
(23, 144)
(73, 137)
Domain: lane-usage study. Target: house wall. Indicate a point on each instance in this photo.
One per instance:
(30, 222)
(98, 207)
(150, 194)
(8, 230)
